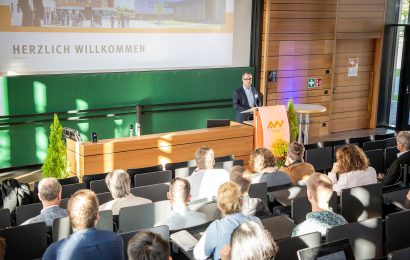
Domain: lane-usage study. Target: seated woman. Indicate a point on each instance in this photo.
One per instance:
(351, 169)
(297, 169)
(119, 184)
(219, 232)
(263, 163)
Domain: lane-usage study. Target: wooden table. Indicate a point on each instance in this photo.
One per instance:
(304, 110)
(398, 198)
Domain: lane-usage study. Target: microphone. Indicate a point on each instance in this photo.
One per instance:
(257, 99)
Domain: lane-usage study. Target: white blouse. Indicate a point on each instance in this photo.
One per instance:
(353, 179)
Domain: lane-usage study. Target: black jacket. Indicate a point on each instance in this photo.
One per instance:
(393, 173)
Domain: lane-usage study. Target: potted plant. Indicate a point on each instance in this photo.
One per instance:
(279, 149)
(293, 121)
(55, 164)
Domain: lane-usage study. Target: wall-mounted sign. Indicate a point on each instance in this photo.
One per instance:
(353, 67)
(314, 82)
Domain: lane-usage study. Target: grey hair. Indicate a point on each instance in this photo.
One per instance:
(250, 241)
(49, 188)
(119, 183)
(403, 138)
(204, 158)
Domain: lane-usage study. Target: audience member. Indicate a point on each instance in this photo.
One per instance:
(250, 241)
(393, 174)
(295, 166)
(49, 193)
(351, 169)
(181, 216)
(319, 192)
(146, 245)
(86, 242)
(250, 206)
(119, 184)
(219, 232)
(263, 163)
(205, 180)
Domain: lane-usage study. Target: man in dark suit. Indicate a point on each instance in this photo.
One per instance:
(393, 174)
(245, 98)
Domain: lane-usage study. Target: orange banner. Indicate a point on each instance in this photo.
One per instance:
(272, 126)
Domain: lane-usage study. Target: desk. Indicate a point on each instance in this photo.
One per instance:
(285, 196)
(398, 198)
(280, 226)
(304, 110)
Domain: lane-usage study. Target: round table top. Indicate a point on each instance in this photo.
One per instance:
(309, 108)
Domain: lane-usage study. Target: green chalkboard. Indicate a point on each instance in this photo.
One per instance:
(25, 144)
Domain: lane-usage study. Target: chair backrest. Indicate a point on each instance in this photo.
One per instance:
(176, 165)
(402, 254)
(134, 171)
(105, 221)
(334, 143)
(376, 159)
(391, 142)
(227, 165)
(301, 206)
(28, 211)
(99, 186)
(154, 192)
(384, 136)
(225, 158)
(279, 226)
(104, 197)
(289, 246)
(390, 155)
(285, 196)
(320, 158)
(260, 191)
(69, 180)
(365, 237)
(61, 229)
(25, 242)
(143, 216)
(150, 178)
(70, 189)
(360, 140)
(4, 218)
(397, 231)
(163, 231)
(373, 145)
(313, 146)
(184, 172)
(360, 203)
(87, 179)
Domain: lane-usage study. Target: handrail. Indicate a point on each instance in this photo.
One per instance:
(145, 109)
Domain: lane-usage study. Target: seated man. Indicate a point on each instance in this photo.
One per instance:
(119, 184)
(86, 242)
(250, 206)
(205, 180)
(393, 174)
(181, 216)
(148, 245)
(319, 192)
(297, 169)
(49, 193)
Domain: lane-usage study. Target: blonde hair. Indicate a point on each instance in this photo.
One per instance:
(82, 209)
(204, 158)
(261, 158)
(119, 183)
(351, 158)
(252, 242)
(321, 187)
(229, 198)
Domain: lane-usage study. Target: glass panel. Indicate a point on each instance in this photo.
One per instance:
(404, 12)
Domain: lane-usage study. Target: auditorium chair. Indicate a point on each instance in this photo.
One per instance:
(5, 218)
(320, 158)
(360, 140)
(390, 155)
(373, 145)
(143, 216)
(150, 178)
(335, 142)
(289, 246)
(88, 178)
(301, 206)
(397, 228)
(360, 203)
(384, 136)
(104, 197)
(184, 172)
(391, 142)
(134, 171)
(365, 237)
(279, 226)
(25, 212)
(376, 159)
(227, 165)
(99, 186)
(313, 146)
(70, 189)
(260, 191)
(402, 254)
(154, 192)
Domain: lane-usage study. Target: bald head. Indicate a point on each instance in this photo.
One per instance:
(49, 189)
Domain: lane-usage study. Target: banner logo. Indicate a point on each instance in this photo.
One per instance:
(277, 123)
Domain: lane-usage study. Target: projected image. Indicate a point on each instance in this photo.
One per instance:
(118, 14)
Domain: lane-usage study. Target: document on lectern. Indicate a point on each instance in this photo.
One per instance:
(252, 110)
(184, 239)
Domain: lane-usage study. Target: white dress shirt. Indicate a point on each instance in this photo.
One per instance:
(205, 183)
(353, 179)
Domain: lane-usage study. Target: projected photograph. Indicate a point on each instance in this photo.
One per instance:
(117, 14)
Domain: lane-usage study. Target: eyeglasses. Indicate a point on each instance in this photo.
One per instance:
(247, 79)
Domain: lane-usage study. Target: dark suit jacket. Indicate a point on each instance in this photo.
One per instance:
(393, 173)
(240, 103)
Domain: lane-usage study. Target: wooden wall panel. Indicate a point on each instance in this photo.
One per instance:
(316, 38)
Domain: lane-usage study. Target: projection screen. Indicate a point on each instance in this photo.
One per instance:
(71, 36)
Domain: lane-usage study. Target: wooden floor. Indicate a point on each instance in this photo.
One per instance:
(33, 173)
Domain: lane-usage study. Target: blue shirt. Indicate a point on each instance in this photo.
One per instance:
(249, 96)
(48, 215)
(218, 234)
(87, 244)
